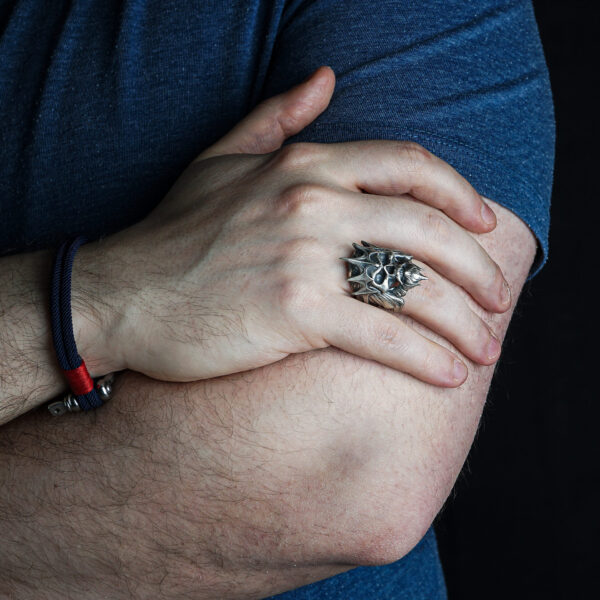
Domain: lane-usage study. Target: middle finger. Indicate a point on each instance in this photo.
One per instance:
(402, 224)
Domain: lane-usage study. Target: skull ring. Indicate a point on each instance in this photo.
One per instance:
(382, 276)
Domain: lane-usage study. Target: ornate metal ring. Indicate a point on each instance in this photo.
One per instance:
(382, 276)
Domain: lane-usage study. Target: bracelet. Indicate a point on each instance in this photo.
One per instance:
(69, 403)
(86, 393)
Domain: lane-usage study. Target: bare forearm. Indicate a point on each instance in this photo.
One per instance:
(130, 500)
(28, 374)
(29, 371)
(173, 490)
(242, 486)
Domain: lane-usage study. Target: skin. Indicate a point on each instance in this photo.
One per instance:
(249, 484)
(241, 486)
(156, 298)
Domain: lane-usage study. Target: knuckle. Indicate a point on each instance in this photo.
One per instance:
(308, 246)
(295, 295)
(436, 360)
(432, 289)
(295, 156)
(415, 154)
(475, 333)
(389, 337)
(495, 279)
(482, 330)
(301, 199)
(246, 214)
(436, 227)
(475, 338)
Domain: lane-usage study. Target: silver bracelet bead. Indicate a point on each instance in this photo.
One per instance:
(104, 387)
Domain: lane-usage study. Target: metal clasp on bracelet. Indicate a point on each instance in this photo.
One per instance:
(104, 387)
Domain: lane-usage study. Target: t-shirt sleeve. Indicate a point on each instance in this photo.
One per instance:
(467, 80)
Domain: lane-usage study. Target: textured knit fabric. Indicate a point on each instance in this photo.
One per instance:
(103, 103)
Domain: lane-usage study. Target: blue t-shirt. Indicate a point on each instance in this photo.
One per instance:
(103, 103)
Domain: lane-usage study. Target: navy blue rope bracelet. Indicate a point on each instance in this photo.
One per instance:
(72, 365)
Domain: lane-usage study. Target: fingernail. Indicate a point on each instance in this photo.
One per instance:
(487, 214)
(494, 347)
(505, 293)
(459, 372)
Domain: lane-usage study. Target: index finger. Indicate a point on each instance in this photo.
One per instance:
(390, 168)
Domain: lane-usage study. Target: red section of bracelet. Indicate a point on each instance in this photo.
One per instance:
(79, 380)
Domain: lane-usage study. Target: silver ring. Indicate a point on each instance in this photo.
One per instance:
(382, 276)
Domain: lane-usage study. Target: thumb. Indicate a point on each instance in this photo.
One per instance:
(279, 117)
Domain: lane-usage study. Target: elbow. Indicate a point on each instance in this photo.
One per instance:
(393, 535)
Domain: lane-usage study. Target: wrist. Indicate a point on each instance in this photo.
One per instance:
(95, 317)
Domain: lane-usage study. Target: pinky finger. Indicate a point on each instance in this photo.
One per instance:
(376, 334)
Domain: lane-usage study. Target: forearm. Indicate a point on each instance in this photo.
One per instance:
(29, 371)
(128, 502)
(180, 489)
(239, 487)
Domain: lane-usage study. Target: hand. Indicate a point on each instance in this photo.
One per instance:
(245, 485)
(238, 266)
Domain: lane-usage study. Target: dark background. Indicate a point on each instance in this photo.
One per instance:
(523, 520)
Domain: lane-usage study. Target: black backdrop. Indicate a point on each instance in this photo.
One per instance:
(523, 521)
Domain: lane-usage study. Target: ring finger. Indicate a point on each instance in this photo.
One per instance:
(439, 306)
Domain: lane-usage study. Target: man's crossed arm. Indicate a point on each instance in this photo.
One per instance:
(240, 486)
(245, 485)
